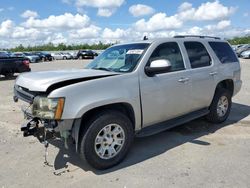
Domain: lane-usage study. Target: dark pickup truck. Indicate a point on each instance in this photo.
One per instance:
(10, 65)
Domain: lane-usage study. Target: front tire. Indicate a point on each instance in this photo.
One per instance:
(220, 107)
(107, 140)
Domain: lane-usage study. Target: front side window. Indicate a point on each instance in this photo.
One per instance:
(122, 58)
(197, 54)
(224, 52)
(169, 51)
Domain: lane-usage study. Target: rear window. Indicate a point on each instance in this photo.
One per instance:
(224, 52)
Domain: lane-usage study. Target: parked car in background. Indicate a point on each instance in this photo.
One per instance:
(61, 56)
(74, 55)
(10, 65)
(44, 56)
(32, 58)
(242, 49)
(237, 46)
(4, 54)
(245, 54)
(67, 54)
(86, 54)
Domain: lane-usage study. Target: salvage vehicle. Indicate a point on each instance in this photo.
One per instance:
(10, 65)
(134, 89)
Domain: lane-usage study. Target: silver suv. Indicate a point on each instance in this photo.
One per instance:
(134, 89)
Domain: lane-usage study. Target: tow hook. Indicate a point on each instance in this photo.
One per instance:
(30, 128)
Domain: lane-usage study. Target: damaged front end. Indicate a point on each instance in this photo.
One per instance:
(43, 115)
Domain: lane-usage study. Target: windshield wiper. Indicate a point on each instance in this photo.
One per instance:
(102, 68)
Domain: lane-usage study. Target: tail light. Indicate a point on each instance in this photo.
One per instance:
(26, 62)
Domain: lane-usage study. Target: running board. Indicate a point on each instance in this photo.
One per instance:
(159, 127)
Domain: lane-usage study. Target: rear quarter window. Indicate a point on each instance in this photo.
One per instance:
(224, 52)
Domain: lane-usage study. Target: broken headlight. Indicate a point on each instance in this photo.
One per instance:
(48, 108)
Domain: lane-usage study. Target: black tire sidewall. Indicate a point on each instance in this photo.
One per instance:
(87, 147)
(213, 115)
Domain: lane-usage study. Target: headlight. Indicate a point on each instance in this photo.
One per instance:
(47, 108)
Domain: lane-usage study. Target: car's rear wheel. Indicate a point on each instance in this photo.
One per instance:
(9, 75)
(107, 140)
(220, 107)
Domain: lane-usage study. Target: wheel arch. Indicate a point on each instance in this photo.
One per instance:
(226, 84)
(80, 129)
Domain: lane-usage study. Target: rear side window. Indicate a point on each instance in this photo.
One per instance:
(197, 54)
(224, 52)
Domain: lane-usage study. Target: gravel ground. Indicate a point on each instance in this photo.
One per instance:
(196, 154)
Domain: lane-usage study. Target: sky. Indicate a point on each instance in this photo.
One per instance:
(37, 22)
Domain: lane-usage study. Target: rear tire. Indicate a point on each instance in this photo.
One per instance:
(220, 106)
(101, 146)
(9, 75)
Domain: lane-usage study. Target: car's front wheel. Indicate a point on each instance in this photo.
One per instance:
(107, 140)
(220, 107)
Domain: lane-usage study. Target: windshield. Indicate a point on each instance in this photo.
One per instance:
(122, 58)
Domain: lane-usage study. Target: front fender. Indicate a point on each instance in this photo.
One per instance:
(84, 96)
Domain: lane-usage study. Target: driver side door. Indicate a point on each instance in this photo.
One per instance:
(167, 95)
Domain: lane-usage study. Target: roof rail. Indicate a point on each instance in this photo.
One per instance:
(199, 36)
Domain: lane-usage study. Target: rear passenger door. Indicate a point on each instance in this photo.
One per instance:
(203, 74)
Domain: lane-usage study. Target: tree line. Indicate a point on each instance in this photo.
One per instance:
(60, 47)
(240, 40)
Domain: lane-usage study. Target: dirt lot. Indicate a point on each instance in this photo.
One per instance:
(196, 154)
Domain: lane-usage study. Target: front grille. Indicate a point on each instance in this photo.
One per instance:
(24, 94)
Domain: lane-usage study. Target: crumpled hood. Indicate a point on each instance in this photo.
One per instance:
(41, 81)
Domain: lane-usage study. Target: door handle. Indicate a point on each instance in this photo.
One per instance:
(213, 73)
(183, 80)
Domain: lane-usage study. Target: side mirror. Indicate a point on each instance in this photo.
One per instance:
(158, 67)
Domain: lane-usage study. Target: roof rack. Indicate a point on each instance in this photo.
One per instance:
(198, 36)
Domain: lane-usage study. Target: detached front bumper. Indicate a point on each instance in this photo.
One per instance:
(52, 125)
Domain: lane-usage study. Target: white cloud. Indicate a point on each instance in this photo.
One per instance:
(6, 27)
(100, 3)
(21, 32)
(105, 7)
(85, 33)
(56, 38)
(206, 11)
(184, 7)
(105, 12)
(66, 20)
(141, 10)
(220, 25)
(213, 11)
(29, 14)
(116, 34)
(159, 21)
